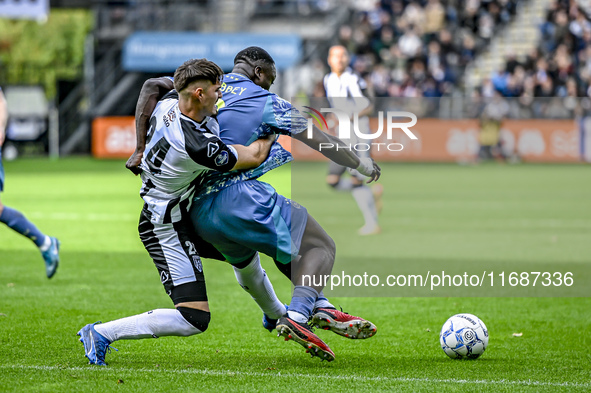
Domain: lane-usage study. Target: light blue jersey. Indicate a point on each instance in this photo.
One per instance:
(247, 113)
(236, 213)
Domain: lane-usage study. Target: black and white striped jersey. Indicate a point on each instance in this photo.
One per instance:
(178, 151)
(346, 92)
(348, 85)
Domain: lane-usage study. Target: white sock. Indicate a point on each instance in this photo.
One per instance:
(156, 323)
(254, 280)
(46, 244)
(296, 316)
(365, 200)
(322, 302)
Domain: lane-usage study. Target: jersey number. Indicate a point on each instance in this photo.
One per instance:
(156, 156)
(191, 247)
(151, 130)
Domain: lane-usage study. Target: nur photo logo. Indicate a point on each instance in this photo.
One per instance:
(347, 121)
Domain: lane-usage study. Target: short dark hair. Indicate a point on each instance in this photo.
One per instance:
(255, 56)
(196, 69)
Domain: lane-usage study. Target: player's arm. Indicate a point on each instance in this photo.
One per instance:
(152, 91)
(362, 92)
(3, 117)
(208, 150)
(253, 155)
(287, 120)
(336, 150)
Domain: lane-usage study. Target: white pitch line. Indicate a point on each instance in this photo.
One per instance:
(222, 373)
(83, 217)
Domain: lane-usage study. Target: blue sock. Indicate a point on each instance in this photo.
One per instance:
(16, 221)
(302, 302)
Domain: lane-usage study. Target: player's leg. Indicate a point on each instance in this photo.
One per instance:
(181, 272)
(254, 280)
(222, 227)
(325, 315)
(316, 256)
(367, 200)
(365, 197)
(335, 177)
(252, 216)
(15, 220)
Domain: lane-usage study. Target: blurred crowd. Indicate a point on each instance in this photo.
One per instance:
(420, 48)
(559, 67)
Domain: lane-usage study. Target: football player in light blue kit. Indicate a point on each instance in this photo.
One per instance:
(15, 220)
(240, 215)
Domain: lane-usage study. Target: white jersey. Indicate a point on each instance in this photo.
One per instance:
(179, 151)
(348, 86)
(345, 92)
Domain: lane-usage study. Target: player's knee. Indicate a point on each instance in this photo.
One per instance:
(327, 246)
(245, 263)
(198, 318)
(356, 183)
(333, 180)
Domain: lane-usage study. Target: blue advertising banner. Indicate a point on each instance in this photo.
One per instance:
(31, 9)
(165, 51)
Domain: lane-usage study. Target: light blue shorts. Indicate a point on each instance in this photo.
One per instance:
(250, 216)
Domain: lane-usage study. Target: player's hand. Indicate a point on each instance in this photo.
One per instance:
(377, 172)
(368, 167)
(133, 163)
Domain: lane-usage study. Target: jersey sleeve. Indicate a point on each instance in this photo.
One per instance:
(280, 117)
(359, 93)
(358, 87)
(173, 94)
(207, 149)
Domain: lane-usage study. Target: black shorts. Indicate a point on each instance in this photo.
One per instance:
(176, 250)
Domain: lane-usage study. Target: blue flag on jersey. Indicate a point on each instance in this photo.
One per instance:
(249, 112)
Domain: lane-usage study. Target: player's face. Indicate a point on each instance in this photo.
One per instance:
(338, 59)
(210, 97)
(265, 76)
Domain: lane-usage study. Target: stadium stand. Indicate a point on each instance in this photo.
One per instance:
(561, 64)
(421, 48)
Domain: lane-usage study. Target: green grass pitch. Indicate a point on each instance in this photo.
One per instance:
(517, 213)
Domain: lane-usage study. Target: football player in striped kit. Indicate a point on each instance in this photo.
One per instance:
(182, 145)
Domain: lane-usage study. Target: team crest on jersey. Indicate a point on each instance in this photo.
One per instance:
(197, 263)
(222, 158)
(212, 148)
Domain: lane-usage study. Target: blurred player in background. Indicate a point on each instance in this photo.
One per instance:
(348, 91)
(491, 121)
(183, 144)
(49, 246)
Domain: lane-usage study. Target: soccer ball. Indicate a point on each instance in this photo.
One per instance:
(463, 336)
